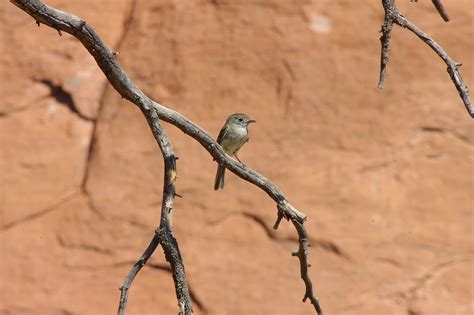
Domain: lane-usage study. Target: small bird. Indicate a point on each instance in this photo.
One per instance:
(232, 137)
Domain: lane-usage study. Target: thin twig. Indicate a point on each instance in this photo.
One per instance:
(133, 273)
(392, 15)
(441, 10)
(154, 111)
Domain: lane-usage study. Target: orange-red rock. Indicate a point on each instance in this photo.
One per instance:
(385, 176)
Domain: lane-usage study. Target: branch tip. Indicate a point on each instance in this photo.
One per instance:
(441, 10)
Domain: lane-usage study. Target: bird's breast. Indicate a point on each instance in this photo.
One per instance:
(234, 138)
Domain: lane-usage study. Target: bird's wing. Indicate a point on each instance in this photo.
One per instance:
(222, 134)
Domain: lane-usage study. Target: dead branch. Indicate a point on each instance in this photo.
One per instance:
(392, 15)
(163, 235)
(153, 112)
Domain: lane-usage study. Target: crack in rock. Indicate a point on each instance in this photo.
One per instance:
(39, 213)
(453, 133)
(93, 137)
(87, 247)
(412, 294)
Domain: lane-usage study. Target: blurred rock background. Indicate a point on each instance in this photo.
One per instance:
(385, 176)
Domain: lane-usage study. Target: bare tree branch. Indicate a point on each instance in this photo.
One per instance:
(302, 254)
(133, 273)
(385, 41)
(392, 15)
(154, 111)
(163, 235)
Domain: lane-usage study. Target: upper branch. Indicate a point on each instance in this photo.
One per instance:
(392, 15)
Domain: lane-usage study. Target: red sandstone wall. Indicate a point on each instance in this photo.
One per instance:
(386, 177)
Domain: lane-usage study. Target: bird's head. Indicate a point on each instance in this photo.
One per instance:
(240, 119)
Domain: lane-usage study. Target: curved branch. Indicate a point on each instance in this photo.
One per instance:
(392, 15)
(153, 111)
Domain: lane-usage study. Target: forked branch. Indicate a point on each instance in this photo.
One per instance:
(163, 235)
(392, 15)
(153, 111)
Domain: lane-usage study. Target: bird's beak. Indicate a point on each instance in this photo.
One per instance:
(251, 121)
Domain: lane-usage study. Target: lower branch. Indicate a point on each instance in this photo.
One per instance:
(133, 273)
(165, 238)
(163, 235)
(302, 254)
(173, 256)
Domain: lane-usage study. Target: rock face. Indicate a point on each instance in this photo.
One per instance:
(385, 176)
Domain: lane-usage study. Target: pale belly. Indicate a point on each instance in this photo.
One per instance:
(234, 140)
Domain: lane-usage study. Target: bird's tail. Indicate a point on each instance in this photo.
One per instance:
(219, 182)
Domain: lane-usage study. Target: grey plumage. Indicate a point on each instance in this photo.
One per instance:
(232, 137)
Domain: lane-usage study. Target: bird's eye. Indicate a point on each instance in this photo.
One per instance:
(240, 119)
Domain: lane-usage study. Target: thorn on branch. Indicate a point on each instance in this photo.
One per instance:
(280, 215)
(115, 53)
(38, 23)
(59, 32)
(178, 195)
(277, 222)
